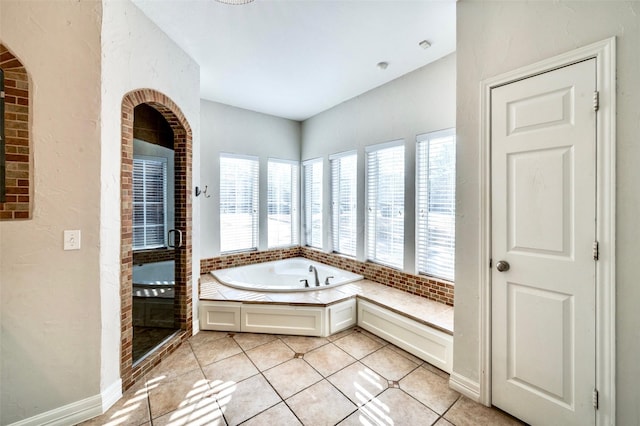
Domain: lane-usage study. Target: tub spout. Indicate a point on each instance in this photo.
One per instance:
(315, 273)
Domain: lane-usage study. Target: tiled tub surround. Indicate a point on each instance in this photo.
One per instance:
(426, 287)
(428, 312)
(418, 325)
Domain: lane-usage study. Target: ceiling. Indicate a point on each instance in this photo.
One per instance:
(296, 58)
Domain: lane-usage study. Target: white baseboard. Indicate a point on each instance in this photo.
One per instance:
(465, 386)
(69, 414)
(78, 411)
(111, 395)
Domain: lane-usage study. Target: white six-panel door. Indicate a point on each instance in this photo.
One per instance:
(543, 160)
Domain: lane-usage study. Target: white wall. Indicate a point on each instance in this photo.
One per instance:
(50, 306)
(136, 54)
(419, 102)
(495, 37)
(239, 131)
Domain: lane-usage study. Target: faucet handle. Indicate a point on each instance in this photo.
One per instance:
(306, 283)
(326, 280)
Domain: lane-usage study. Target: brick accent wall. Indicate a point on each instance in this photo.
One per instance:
(183, 280)
(246, 258)
(420, 285)
(150, 256)
(17, 204)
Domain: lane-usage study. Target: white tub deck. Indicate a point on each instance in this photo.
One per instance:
(420, 326)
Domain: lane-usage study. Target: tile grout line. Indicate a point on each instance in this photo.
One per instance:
(449, 408)
(387, 344)
(261, 373)
(213, 395)
(206, 378)
(319, 381)
(148, 398)
(341, 369)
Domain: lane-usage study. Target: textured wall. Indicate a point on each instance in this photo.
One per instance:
(50, 298)
(514, 34)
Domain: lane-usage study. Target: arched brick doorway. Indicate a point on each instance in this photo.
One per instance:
(129, 372)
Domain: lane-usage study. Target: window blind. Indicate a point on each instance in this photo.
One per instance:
(435, 186)
(344, 203)
(313, 203)
(149, 202)
(385, 203)
(282, 202)
(238, 203)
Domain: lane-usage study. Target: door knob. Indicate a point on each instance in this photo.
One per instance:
(502, 266)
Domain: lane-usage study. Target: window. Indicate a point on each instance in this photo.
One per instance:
(282, 201)
(149, 205)
(436, 191)
(385, 203)
(238, 203)
(344, 170)
(313, 203)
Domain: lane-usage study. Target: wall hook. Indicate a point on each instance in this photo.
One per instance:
(204, 191)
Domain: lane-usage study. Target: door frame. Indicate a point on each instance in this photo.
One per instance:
(183, 161)
(604, 53)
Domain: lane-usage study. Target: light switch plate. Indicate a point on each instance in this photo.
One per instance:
(72, 239)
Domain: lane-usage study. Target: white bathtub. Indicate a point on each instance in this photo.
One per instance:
(156, 273)
(283, 276)
(155, 279)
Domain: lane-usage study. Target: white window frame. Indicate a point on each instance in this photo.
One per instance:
(158, 244)
(435, 231)
(372, 211)
(255, 199)
(313, 236)
(293, 204)
(338, 233)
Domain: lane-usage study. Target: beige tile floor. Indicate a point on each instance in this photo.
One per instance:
(351, 378)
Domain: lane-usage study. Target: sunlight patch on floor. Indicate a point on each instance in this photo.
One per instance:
(377, 412)
(223, 392)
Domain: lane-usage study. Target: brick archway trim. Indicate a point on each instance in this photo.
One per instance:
(183, 155)
(18, 171)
